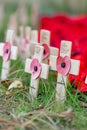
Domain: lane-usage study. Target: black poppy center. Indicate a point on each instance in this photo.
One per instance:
(35, 68)
(63, 64)
(44, 51)
(7, 50)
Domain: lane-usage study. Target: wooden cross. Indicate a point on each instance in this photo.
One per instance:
(27, 51)
(23, 41)
(25, 35)
(13, 55)
(65, 50)
(44, 72)
(45, 39)
(25, 38)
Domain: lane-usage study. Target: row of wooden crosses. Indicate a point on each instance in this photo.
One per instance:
(39, 58)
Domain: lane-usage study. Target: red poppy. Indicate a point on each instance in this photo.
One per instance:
(63, 65)
(35, 68)
(82, 86)
(79, 81)
(46, 52)
(6, 51)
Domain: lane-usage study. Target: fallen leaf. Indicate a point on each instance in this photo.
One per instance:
(7, 93)
(16, 84)
(6, 83)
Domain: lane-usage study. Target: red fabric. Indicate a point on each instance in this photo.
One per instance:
(72, 28)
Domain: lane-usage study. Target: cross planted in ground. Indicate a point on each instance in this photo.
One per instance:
(13, 54)
(34, 83)
(65, 50)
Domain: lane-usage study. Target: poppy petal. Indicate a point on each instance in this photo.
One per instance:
(35, 68)
(46, 52)
(6, 51)
(33, 63)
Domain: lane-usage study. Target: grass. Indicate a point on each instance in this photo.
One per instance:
(19, 113)
(44, 111)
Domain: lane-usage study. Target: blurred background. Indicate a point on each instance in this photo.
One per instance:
(28, 12)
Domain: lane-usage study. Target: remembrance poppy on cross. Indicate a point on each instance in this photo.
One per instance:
(70, 28)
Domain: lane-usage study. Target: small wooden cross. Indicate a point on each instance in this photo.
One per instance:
(12, 56)
(65, 50)
(45, 39)
(24, 40)
(27, 42)
(44, 71)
